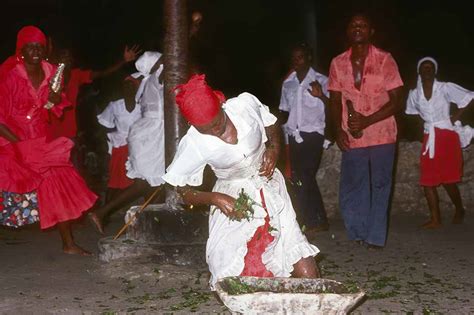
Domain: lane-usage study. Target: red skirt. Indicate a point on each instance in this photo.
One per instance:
(446, 165)
(62, 194)
(254, 265)
(117, 172)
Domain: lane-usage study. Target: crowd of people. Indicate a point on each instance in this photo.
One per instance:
(240, 140)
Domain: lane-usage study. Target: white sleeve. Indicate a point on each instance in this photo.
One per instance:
(283, 101)
(107, 117)
(188, 165)
(411, 104)
(267, 117)
(458, 95)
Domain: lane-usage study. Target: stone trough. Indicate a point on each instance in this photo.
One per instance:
(252, 295)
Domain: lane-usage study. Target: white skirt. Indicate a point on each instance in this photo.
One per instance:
(146, 146)
(227, 244)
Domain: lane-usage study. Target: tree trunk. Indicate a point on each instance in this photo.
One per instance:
(175, 72)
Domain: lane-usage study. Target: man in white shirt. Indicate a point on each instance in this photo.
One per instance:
(304, 96)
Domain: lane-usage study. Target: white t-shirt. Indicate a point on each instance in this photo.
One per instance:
(117, 116)
(306, 112)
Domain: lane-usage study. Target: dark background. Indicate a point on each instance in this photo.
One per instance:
(244, 45)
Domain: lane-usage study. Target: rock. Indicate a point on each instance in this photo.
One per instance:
(408, 196)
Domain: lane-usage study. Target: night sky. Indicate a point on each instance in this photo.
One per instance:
(245, 44)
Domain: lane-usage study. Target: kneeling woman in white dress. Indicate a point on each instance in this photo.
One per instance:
(238, 140)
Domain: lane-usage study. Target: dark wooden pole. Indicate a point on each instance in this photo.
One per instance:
(175, 72)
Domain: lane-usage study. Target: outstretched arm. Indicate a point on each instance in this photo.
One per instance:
(222, 201)
(129, 54)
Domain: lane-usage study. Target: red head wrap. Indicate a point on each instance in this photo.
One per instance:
(198, 103)
(29, 34)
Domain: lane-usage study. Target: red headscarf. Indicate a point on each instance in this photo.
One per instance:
(198, 103)
(27, 34)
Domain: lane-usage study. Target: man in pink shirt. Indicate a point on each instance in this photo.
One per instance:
(365, 94)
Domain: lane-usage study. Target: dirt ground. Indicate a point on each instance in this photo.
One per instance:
(419, 272)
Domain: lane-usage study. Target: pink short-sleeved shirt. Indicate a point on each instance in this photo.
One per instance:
(380, 76)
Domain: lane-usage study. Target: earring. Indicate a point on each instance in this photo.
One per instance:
(22, 57)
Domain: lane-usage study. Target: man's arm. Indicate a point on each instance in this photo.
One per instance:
(317, 91)
(342, 139)
(359, 122)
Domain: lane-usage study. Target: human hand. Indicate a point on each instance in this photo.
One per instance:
(226, 204)
(269, 162)
(316, 90)
(130, 54)
(342, 140)
(358, 122)
(54, 97)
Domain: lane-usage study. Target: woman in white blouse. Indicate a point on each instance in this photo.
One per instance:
(441, 158)
(238, 140)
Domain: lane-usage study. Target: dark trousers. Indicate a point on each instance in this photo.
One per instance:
(366, 183)
(305, 159)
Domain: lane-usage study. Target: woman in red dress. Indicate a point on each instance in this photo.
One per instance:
(29, 159)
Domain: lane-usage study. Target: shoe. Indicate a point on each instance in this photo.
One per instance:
(374, 247)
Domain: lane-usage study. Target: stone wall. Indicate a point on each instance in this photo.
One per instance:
(408, 196)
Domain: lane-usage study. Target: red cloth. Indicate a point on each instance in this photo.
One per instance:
(19, 99)
(254, 265)
(446, 166)
(117, 171)
(62, 193)
(66, 126)
(198, 103)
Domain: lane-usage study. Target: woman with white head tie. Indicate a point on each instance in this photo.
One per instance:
(441, 158)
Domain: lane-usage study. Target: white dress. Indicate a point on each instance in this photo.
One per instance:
(116, 115)
(146, 142)
(236, 167)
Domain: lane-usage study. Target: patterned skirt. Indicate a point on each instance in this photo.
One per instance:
(17, 210)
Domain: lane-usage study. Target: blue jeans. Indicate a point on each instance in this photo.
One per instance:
(364, 192)
(305, 158)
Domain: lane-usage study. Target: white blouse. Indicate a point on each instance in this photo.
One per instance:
(117, 116)
(435, 111)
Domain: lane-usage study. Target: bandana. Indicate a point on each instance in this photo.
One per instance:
(27, 34)
(427, 59)
(144, 64)
(198, 103)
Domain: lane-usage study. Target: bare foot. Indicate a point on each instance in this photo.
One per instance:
(76, 250)
(458, 217)
(96, 222)
(431, 225)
